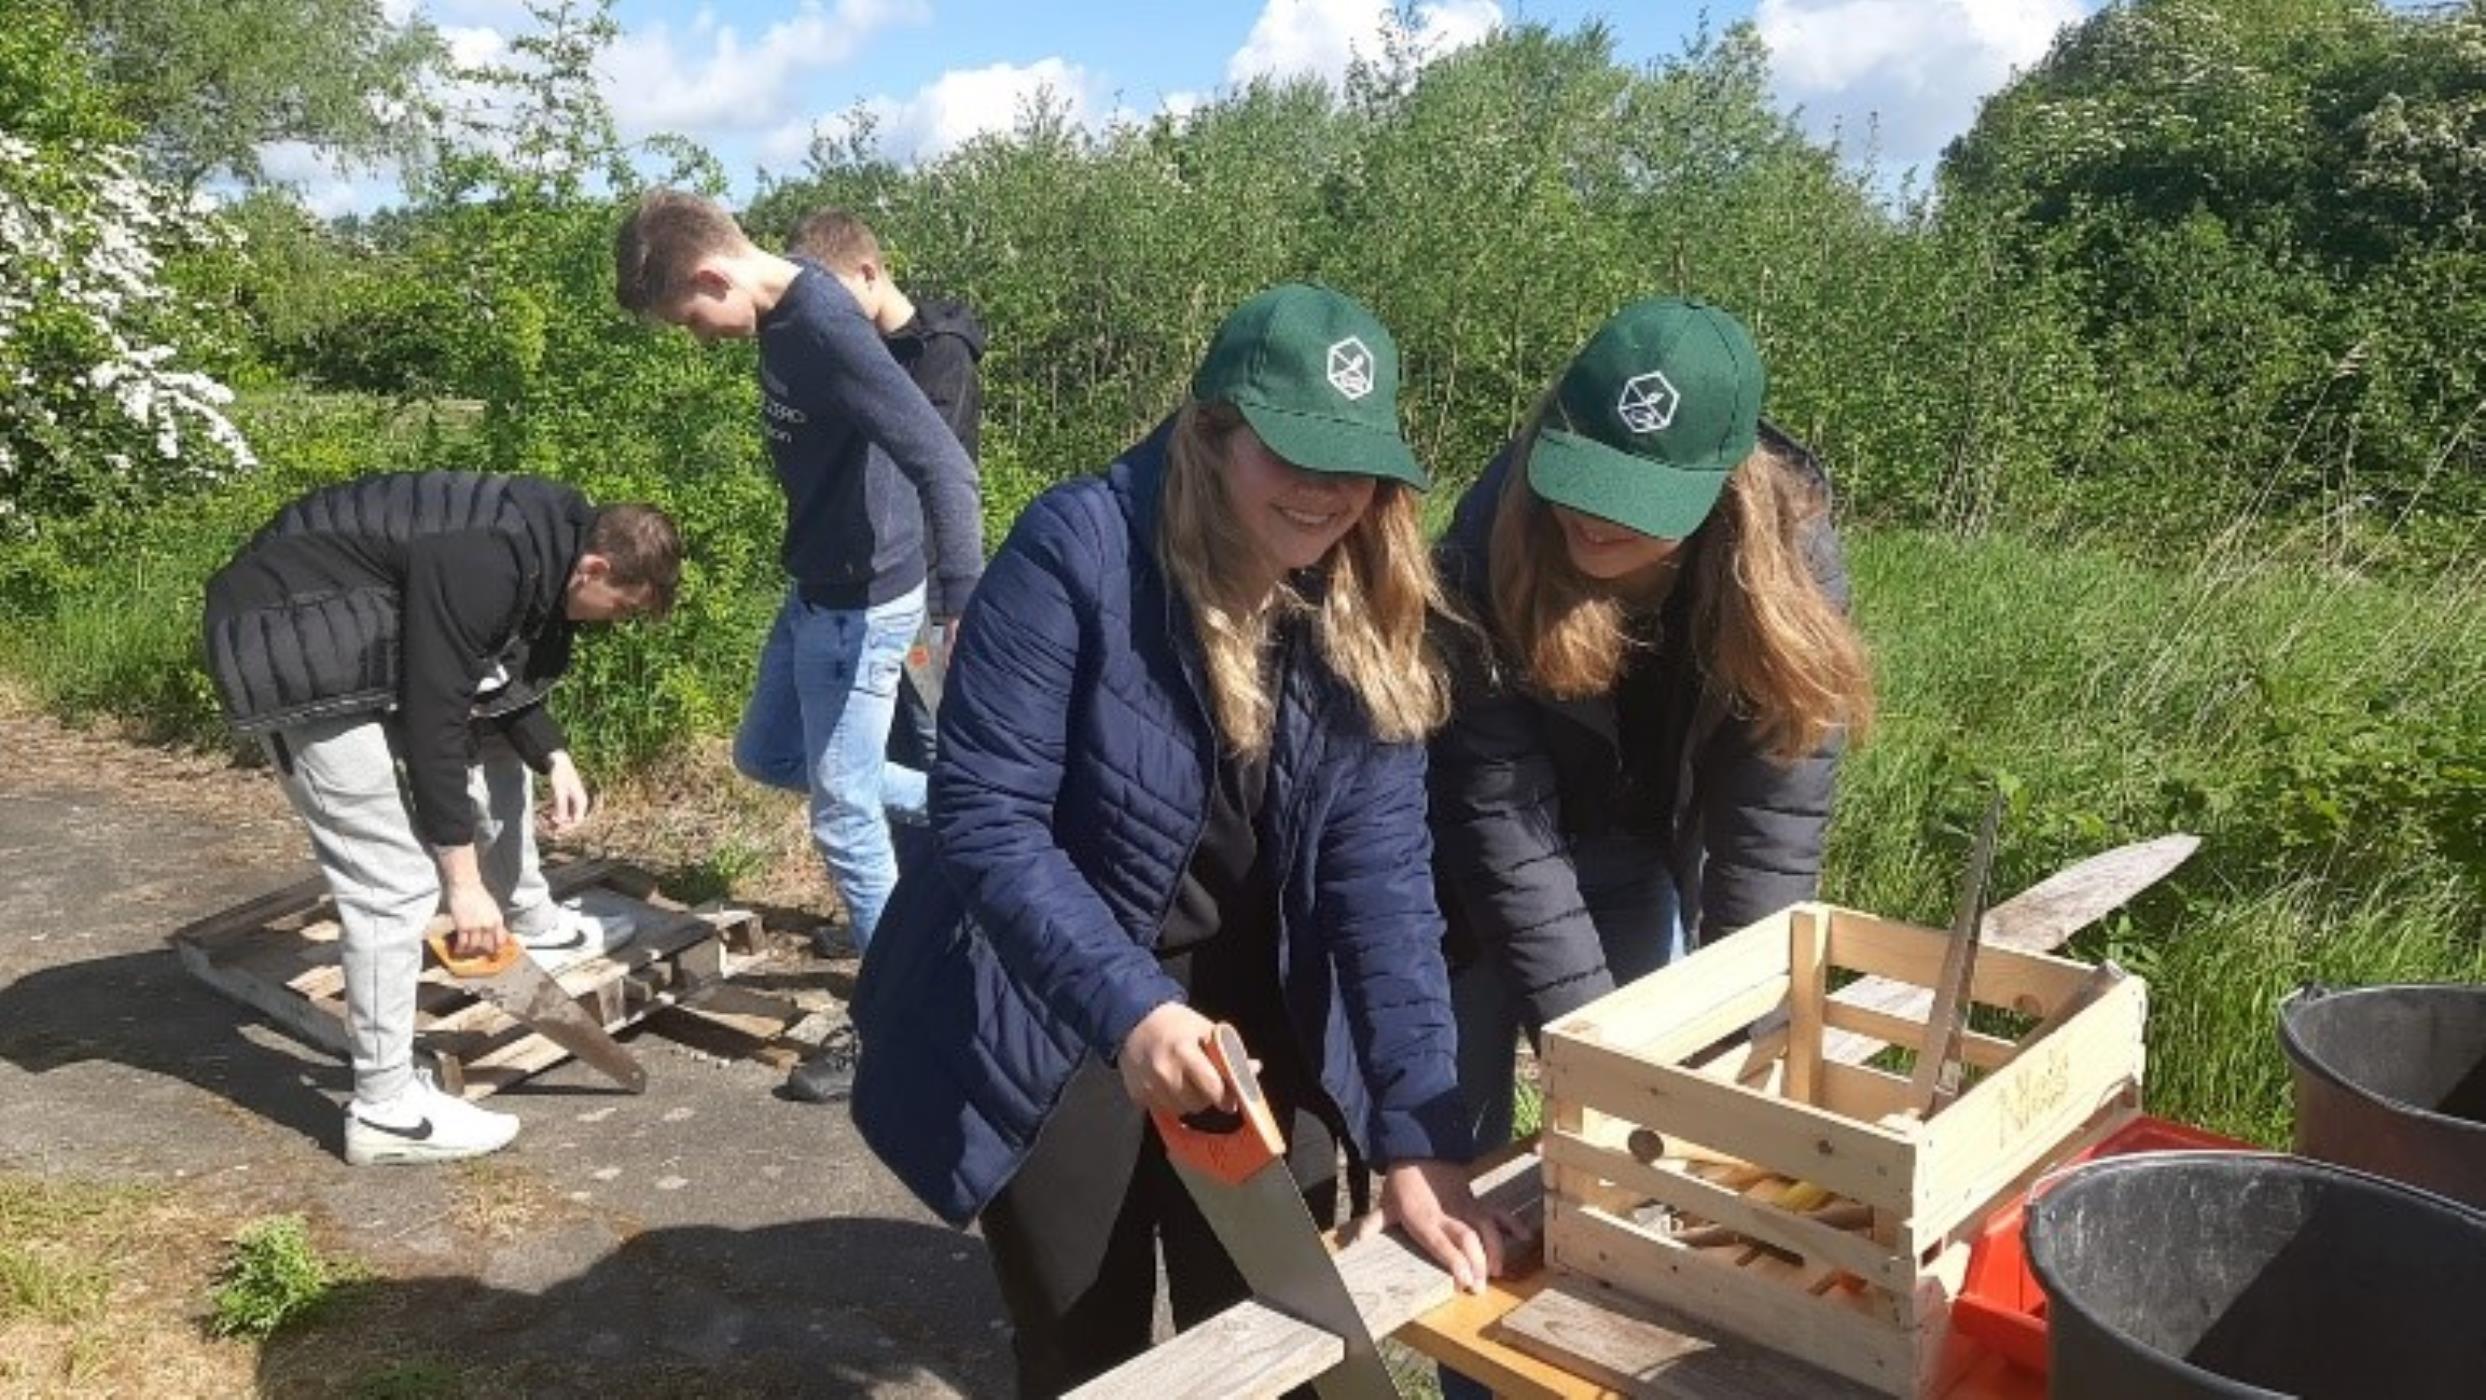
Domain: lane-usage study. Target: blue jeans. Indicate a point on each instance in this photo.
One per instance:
(1630, 894)
(818, 722)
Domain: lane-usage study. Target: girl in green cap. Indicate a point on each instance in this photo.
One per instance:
(1642, 752)
(1181, 782)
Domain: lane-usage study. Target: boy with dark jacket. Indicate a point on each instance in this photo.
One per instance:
(420, 619)
(882, 523)
(937, 341)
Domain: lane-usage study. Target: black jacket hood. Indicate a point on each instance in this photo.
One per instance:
(941, 316)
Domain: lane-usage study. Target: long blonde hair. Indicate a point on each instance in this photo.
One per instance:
(1763, 632)
(1369, 618)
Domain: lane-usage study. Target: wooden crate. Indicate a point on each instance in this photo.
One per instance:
(1871, 1303)
(278, 954)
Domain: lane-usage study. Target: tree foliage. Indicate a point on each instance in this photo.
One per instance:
(2212, 260)
(208, 82)
(107, 337)
(2266, 217)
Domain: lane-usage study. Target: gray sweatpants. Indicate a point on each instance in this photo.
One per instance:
(342, 777)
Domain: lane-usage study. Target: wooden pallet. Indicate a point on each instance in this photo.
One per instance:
(1796, 1200)
(277, 954)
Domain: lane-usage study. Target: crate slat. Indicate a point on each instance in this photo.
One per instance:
(1860, 1160)
(1833, 1334)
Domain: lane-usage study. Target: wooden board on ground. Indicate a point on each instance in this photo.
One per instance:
(1642, 1350)
(277, 953)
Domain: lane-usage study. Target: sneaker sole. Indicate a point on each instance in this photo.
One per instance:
(400, 1154)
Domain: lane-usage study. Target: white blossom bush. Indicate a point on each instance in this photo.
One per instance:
(97, 404)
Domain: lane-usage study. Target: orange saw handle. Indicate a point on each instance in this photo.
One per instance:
(489, 965)
(1228, 1145)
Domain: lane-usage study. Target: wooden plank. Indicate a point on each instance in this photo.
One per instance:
(1834, 1331)
(1251, 1352)
(297, 1014)
(1858, 1160)
(1857, 1254)
(1808, 950)
(1466, 1336)
(2029, 983)
(1979, 1050)
(222, 927)
(2025, 1110)
(1867, 1095)
(755, 1013)
(2038, 919)
(2042, 917)
(1644, 1350)
(1758, 1062)
(1697, 1030)
(1718, 974)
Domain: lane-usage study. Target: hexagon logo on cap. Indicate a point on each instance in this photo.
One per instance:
(1648, 403)
(1350, 368)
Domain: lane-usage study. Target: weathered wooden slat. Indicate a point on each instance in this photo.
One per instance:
(1641, 1349)
(225, 925)
(296, 1013)
(277, 954)
(2039, 919)
(1253, 1352)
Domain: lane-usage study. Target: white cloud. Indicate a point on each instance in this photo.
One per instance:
(1319, 38)
(1918, 67)
(471, 47)
(708, 81)
(782, 147)
(961, 105)
(325, 187)
(965, 103)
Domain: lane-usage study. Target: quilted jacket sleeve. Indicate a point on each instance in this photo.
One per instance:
(1764, 822)
(1005, 718)
(1497, 810)
(1377, 911)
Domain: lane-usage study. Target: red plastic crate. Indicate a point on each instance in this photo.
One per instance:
(2000, 1304)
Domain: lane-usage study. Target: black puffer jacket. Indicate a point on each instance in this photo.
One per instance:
(939, 347)
(1516, 777)
(437, 595)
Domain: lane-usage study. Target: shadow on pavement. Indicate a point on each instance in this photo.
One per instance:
(839, 1307)
(146, 1011)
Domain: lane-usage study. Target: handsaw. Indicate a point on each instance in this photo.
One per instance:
(1234, 1165)
(927, 663)
(1937, 1077)
(2036, 920)
(511, 981)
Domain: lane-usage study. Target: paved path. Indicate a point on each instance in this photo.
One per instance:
(706, 1224)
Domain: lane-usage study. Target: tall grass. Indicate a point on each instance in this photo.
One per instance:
(2313, 728)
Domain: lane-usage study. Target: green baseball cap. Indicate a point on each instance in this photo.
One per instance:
(1317, 377)
(1650, 416)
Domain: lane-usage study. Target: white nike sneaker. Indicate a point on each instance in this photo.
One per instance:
(422, 1124)
(573, 936)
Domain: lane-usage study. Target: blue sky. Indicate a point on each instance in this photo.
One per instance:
(752, 78)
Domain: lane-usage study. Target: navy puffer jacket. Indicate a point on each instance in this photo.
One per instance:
(1076, 753)
(1518, 776)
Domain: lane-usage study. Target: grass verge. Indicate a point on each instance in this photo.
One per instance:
(100, 1287)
